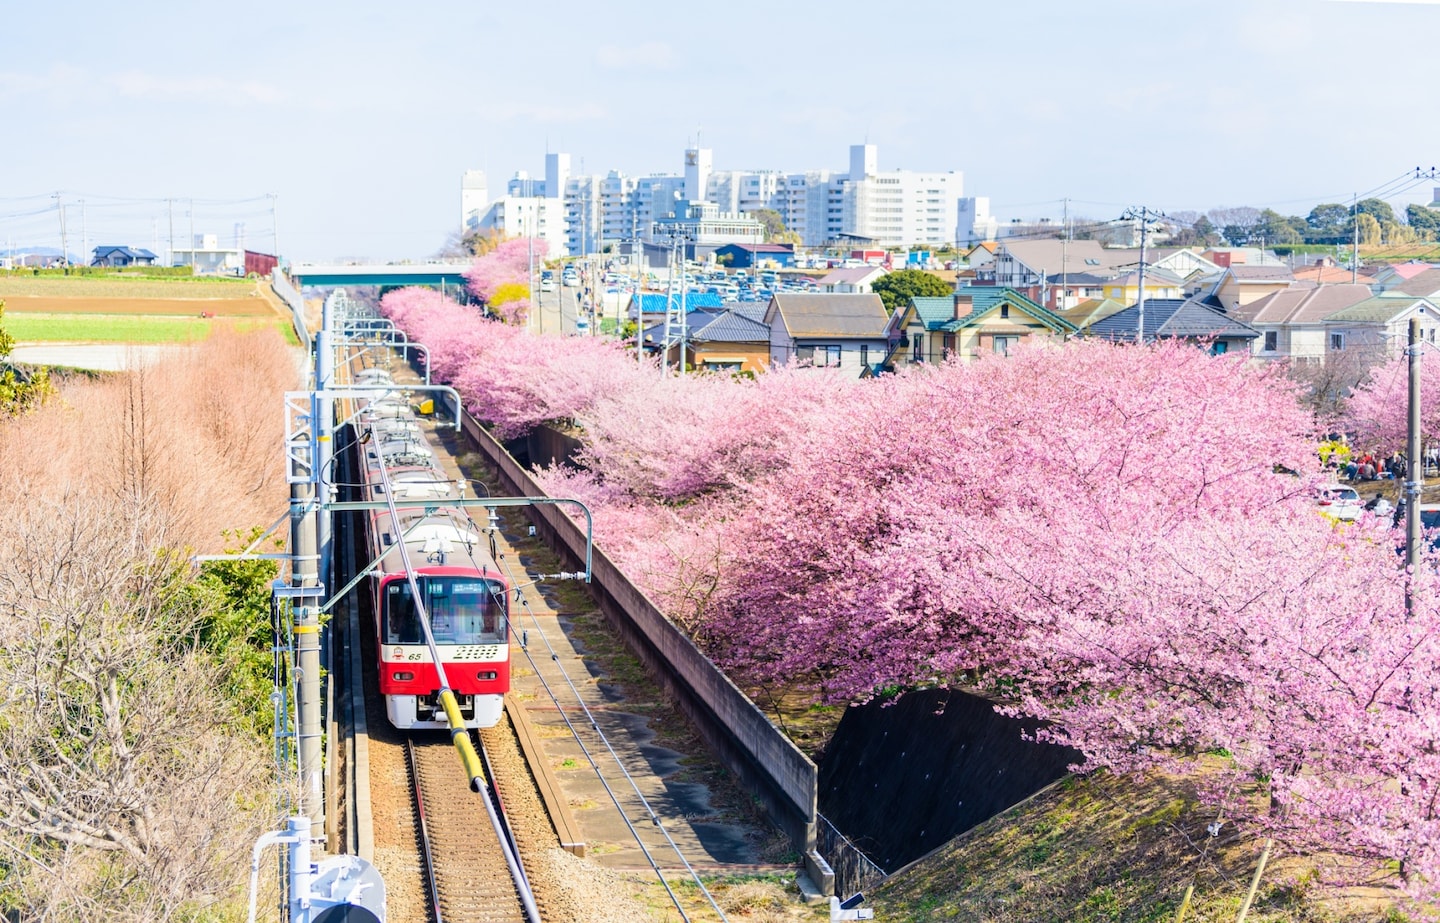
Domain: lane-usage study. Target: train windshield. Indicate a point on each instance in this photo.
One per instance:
(463, 610)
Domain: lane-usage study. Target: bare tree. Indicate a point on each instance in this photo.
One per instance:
(122, 783)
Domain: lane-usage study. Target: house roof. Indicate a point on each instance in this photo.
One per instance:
(1088, 312)
(1051, 256)
(1156, 274)
(1078, 278)
(829, 315)
(1407, 270)
(983, 298)
(1301, 303)
(1172, 318)
(851, 275)
(989, 246)
(1260, 274)
(1422, 285)
(1378, 309)
(934, 311)
(134, 253)
(1328, 274)
(732, 327)
(709, 325)
(761, 248)
(660, 302)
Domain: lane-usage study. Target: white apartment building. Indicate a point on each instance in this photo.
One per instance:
(584, 214)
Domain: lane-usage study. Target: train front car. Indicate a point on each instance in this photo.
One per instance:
(465, 600)
(461, 589)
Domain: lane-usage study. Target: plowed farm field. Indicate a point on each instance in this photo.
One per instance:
(119, 310)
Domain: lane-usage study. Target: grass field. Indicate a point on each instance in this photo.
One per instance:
(125, 328)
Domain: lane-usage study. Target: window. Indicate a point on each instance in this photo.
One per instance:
(1004, 310)
(1003, 345)
(1219, 348)
(919, 342)
(819, 356)
(1337, 341)
(463, 610)
(864, 354)
(1272, 341)
(948, 344)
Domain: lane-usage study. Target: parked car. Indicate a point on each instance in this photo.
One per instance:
(1339, 502)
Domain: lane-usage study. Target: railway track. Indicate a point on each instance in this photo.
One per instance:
(463, 862)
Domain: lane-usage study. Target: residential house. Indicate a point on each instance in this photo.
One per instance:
(1378, 326)
(855, 280)
(1244, 284)
(1422, 285)
(1159, 283)
(1026, 266)
(727, 339)
(1180, 319)
(1088, 312)
(1185, 262)
(1393, 274)
(122, 256)
(1327, 273)
(845, 331)
(974, 321)
(982, 254)
(734, 340)
(655, 305)
(1240, 256)
(750, 256)
(1069, 289)
(1291, 322)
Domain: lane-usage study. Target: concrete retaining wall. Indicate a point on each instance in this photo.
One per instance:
(767, 764)
(900, 780)
(288, 294)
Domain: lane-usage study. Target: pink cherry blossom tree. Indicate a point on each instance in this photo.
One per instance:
(1377, 412)
(1096, 534)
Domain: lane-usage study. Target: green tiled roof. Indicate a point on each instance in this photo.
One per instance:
(1377, 310)
(984, 297)
(934, 311)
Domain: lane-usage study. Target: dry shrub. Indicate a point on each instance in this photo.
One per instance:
(191, 443)
(754, 900)
(127, 789)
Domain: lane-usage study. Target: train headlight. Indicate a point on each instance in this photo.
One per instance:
(486, 674)
(402, 676)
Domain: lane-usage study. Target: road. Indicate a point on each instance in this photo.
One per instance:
(556, 311)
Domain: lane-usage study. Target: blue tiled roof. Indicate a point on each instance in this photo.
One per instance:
(660, 302)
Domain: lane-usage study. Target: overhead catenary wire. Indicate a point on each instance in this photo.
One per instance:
(614, 756)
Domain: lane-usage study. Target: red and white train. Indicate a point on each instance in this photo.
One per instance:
(461, 588)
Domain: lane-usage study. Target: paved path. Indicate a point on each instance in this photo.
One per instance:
(99, 357)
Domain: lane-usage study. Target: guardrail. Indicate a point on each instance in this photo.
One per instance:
(767, 764)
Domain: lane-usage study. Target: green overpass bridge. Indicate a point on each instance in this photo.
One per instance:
(354, 275)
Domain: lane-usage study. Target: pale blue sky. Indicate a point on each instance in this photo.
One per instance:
(361, 116)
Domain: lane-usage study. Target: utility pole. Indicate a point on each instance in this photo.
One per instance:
(1415, 469)
(274, 227)
(1144, 216)
(170, 207)
(64, 245)
(1354, 237)
(84, 235)
(192, 237)
(1064, 246)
